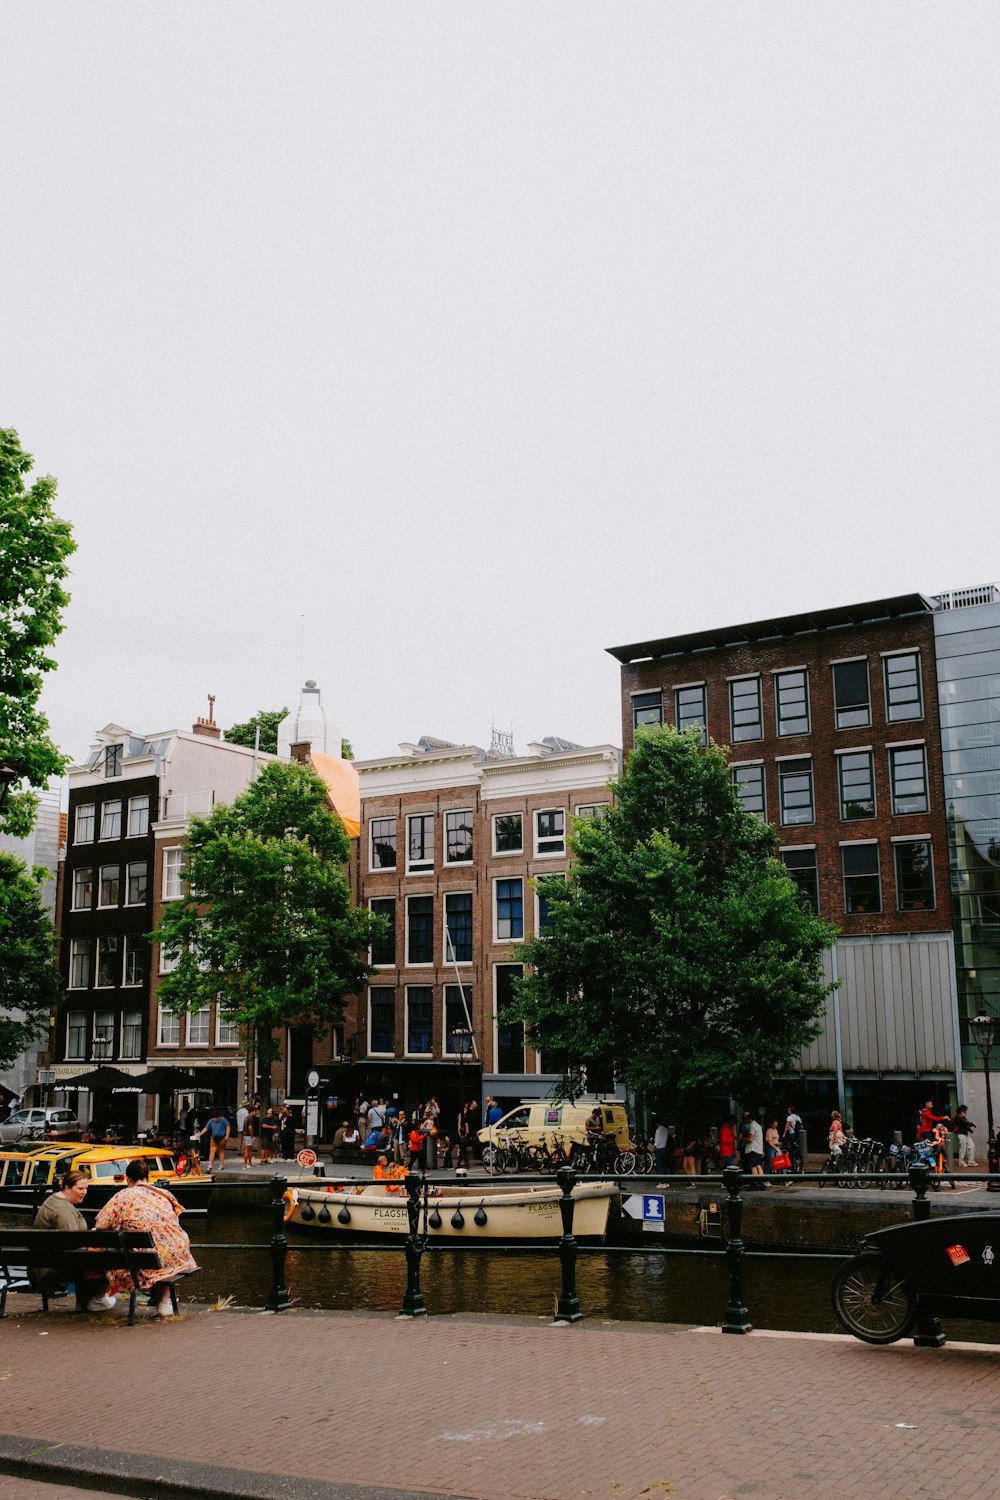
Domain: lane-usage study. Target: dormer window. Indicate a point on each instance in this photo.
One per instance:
(113, 760)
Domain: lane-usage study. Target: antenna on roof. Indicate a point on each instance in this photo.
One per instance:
(502, 740)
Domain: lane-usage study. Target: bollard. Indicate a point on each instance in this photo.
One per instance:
(802, 1140)
(568, 1305)
(279, 1300)
(920, 1179)
(413, 1298)
(737, 1317)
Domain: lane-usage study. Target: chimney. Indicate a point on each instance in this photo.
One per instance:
(208, 727)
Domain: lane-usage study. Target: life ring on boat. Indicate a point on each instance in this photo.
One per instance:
(290, 1198)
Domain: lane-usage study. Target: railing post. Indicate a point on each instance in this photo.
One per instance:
(737, 1317)
(568, 1305)
(928, 1334)
(279, 1300)
(413, 1298)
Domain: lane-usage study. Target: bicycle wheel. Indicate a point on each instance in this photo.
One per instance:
(511, 1160)
(871, 1301)
(625, 1164)
(490, 1154)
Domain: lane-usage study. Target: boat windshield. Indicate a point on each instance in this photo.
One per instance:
(106, 1169)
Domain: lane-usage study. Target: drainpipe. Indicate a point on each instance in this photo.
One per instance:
(837, 1043)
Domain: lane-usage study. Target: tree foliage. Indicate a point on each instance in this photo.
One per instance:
(679, 952)
(268, 720)
(34, 550)
(28, 980)
(267, 924)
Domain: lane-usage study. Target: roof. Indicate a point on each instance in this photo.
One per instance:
(779, 628)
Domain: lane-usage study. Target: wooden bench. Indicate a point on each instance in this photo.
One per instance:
(74, 1253)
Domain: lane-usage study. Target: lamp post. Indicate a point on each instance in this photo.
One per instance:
(461, 1044)
(984, 1031)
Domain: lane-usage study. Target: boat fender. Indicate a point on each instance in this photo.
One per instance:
(457, 1221)
(307, 1213)
(435, 1220)
(481, 1216)
(344, 1217)
(324, 1216)
(290, 1199)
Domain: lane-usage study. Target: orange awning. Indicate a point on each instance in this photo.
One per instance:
(345, 790)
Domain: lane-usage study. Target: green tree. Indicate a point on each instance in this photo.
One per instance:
(267, 924)
(29, 984)
(679, 952)
(34, 550)
(268, 720)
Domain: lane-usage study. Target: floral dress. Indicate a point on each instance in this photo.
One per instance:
(140, 1206)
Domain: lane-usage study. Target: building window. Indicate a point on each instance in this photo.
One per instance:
(508, 833)
(227, 1032)
(138, 816)
(419, 1020)
(458, 838)
(795, 784)
(384, 948)
(83, 888)
(198, 1024)
(510, 1034)
(914, 875)
(856, 773)
(746, 715)
(647, 708)
(862, 887)
(592, 812)
(137, 884)
(420, 929)
(382, 1022)
(908, 774)
(458, 928)
(107, 961)
(749, 784)
(111, 885)
(112, 760)
(509, 910)
(173, 874)
(135, 959)
(902, 687)
(131, 1035)
(851, 701)
(801, 867)
(550, 831)
(420, 842)
(111, 820)
(383, 835)
(791, 690)
(545, 920)
(691, 710)
(79, 964)
(168, 1029)
(84, 829)
(103, 1035)
(168, 961)
(457, 1017)
(76, 1035)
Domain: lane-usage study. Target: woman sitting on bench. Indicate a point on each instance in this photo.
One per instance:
(62, 1211)
(142, 1206)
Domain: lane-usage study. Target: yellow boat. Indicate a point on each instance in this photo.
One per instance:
(28, 1173)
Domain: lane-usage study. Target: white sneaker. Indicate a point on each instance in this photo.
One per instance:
(101, 1304)
(164, 1309)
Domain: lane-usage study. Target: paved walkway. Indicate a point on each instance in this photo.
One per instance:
(237, 1402)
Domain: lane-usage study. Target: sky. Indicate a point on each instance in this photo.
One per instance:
(430, 349)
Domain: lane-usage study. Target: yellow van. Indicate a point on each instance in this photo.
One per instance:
(536, 1119)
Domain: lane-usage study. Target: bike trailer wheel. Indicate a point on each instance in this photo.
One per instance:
(871, 1301)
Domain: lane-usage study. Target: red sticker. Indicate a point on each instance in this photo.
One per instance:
(958, 1254)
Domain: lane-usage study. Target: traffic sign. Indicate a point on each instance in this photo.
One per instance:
(649, 1207)
(306, 1157)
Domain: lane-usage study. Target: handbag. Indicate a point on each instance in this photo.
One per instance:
(782, 1162)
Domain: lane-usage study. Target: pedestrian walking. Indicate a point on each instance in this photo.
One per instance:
(963, 1128)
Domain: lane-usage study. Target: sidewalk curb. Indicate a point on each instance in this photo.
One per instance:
(150, 1478)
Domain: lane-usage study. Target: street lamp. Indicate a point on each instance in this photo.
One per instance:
(985, 1030)
(460, 1041)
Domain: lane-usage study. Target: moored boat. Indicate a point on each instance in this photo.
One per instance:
(452, 1211)
(30, 1171)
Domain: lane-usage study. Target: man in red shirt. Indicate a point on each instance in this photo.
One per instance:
(928, 1119)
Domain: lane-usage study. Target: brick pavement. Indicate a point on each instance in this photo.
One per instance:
(512, 1409)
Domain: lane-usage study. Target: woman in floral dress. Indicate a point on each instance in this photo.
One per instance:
(142, 1206)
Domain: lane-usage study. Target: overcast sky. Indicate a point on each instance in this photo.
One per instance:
(462, 341)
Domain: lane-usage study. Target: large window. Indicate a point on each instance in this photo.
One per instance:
(173, 874)
(227, 1031)
(103, 1042)
(113, 760)
(509, 910)
(457, 838)
(593, 812)
(510, 1034)
(419, 1020)
(791, 694)
(545, 920)
(457, 1017)
(691, 709)
(862, 887)
(795, 784)
(76, 1035)
(135, 959)
(383, 834)
(131, 1035)
(384, 948)
(746, 719)
(908, 774)
(84, 827)
(198, 1027)
(914, 875)
(420, 930)
(903, 699)
(111, 820)
(168, 1029)
(647, 708)
(382, 1021)
(749, 784)
(851, 701)
(420, 842)
(138, 817)
(138, 879)
(856, 775)
(107, 961)
(79, 963)
(550, 831)
(508, 833)
(458, 927)
(111, 885)
(801, 866)
(83, 888)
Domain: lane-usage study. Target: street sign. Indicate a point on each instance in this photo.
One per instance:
(313, 1079)
(649, 1208)
(306, 1157)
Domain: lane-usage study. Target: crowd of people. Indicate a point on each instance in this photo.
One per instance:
(412, 1137)
(264, 1134)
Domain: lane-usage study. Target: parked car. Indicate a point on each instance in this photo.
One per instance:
(58, 1124)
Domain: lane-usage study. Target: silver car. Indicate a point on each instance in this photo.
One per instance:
(59, 1123)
